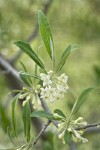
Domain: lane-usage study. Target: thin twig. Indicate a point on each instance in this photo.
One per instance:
(46, 108)
(88, 126)
(42, 131)
(4, 64)
(33, 142)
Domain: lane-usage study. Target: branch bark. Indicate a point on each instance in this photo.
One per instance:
(89, 126)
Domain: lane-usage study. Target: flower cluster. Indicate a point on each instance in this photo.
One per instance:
(72, 127)
(53, 87)
(30, 95)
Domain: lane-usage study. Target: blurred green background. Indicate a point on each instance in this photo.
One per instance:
(72, 21)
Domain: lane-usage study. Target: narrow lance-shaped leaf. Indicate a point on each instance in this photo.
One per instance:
(28, 80)
(44, 114)
(4, 119)
(23, 76)
(65, 55)
(59, 112)
(80, 100)
(14, 102)
(10, 136)
(26, 121)
(68, 137)
(28, 50)
(46, 33)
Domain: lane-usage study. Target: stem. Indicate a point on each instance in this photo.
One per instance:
(33, 142)
(53, 63)
(46, 108)
(88, 126)
(45, 127)
(72, 110)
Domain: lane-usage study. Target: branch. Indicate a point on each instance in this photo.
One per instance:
(91, 130)
(11, 73)
(72, 146)
(46, 108)
(42, 131)
(88, 126)
(33, 142)
(33, 34)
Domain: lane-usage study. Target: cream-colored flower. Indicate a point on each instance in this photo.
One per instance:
(63, 78)
(46, 79)
(77, 137)
(80, 122)
(22, 96)
(54, 87)
(61, 126)
(71, 126)
(50, 73)
(45, 93)
(27, 100)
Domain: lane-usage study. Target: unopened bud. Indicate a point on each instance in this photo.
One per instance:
(61, 135)
(57, 116)
(79, 120)
(23, 95)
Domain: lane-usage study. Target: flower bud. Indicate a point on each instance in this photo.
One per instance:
(61, 135)
(84, 140)
(27, 99)
(57, 116)
(25, 89)
(80, 119)
(21, 96)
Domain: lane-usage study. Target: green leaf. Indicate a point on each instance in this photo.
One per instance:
(10, 136)
(23, 76)
(26, 121)
(59, 112)
(68, 137)
(14, 102)
(81, 100)
(41, 113)
(47, 145)
(28, 50)
(27, 78)
(4, 119)
(64, 56)
(46, 33)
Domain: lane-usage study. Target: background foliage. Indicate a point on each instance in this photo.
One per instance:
(72, 21)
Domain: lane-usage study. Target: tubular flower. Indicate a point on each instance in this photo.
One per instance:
(72, 128)
(54, 87)
(30, 95)
(46, 79)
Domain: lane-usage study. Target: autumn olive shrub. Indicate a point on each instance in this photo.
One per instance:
(48, 86)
